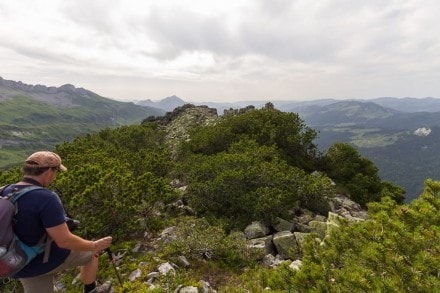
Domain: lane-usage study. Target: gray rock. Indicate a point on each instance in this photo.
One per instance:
(286, 245)
(154, 275)
(282, 225)
(206, 287)
(168, 234)
(182, 261)
(300, 227)
(268, 260)
(334, 218)
(261, 246)
(256, 230)
(319, 228)
(296, 265)
(166, 268)
(188, 289)
(135, 274)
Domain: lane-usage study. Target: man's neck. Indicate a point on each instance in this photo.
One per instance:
(32, 181)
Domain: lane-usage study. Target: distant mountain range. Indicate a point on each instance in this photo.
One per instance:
(400, 135)
(170, 103)
(405, 105)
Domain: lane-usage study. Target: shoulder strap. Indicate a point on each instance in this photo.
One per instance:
(19, 193)
(45, 240)
(3, 188)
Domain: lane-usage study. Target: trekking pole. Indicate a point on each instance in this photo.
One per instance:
(113, 261)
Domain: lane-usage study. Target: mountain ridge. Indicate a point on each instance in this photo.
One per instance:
(39, 117)
(404, 105)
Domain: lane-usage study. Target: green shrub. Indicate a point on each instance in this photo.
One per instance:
(396, 250)
(236, 187)
(197, 240)
(358, 175)
(267, 127)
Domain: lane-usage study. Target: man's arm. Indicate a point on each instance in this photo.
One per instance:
(65, 239)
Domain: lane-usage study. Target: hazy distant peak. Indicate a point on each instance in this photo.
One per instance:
(168, 104)
(173, 98)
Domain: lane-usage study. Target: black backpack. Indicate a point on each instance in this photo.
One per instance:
(14, 254)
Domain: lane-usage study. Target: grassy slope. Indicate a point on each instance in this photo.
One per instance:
(27, 124)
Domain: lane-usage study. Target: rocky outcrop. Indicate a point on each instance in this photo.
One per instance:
(179, 122)
(286, 239)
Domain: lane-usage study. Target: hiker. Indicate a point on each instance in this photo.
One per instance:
(41, 211)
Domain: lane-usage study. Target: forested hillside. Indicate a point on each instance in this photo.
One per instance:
(140, 185)
(400, 144)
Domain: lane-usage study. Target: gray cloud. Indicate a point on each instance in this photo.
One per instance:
(254, 48)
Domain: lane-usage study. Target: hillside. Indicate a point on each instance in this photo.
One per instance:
(386, 136)
(381, 129)
(39, 117)
(229, 204)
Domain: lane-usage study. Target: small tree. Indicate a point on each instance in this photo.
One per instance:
(358, 175)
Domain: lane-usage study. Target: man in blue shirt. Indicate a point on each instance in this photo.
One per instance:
(41, 211)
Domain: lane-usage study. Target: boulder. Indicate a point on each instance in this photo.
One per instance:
(335, 218)
(256, 230)
(319, 228)
(261, 246)
(296, 265)
(286, 245)
(166, 268)
(282, 225)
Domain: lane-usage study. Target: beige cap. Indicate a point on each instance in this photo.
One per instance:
(45, 159)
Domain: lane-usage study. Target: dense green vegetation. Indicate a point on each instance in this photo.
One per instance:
(396, 250)
(258, 165)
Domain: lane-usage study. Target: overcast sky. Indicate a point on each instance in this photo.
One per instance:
(226, 50)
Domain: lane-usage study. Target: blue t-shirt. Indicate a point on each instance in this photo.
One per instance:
(37, 210)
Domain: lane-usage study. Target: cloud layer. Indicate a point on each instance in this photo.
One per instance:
(225, 50)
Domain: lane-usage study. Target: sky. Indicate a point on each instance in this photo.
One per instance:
(226, 50)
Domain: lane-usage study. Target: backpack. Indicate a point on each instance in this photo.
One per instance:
(14, 254)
